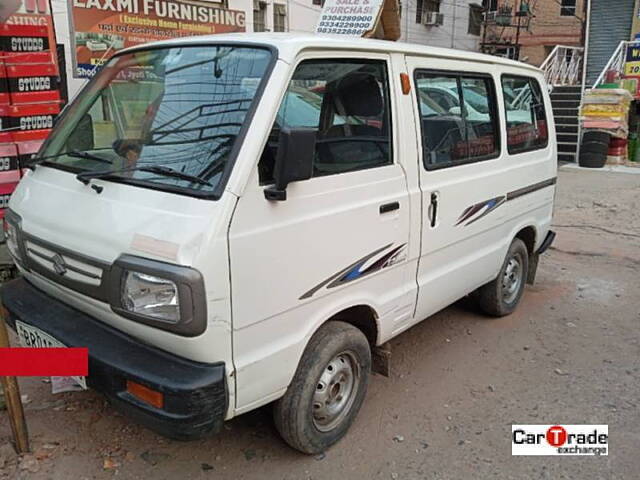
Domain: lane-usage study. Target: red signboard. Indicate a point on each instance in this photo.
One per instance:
(100, 28)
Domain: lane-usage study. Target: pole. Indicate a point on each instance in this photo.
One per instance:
(484, 30)
(12, 397)
(517, 52)
(453, 26)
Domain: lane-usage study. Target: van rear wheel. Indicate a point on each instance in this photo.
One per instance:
(501, 296)
(327, 389)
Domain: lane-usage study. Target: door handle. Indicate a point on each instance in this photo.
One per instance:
(389, 207)
(434, 209)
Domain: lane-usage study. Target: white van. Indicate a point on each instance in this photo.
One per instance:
(234, 220)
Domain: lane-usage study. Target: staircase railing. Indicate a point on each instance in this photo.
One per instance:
(616, 62)
(563, 66)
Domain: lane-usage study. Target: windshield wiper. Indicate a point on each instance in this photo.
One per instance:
(72, 153)
(85, 177)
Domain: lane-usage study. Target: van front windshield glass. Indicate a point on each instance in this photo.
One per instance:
(168, 117)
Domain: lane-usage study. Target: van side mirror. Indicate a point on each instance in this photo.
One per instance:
(294, 160)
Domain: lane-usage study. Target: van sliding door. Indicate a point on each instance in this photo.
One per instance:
(460, 178)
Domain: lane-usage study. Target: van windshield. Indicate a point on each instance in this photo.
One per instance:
(180, 108)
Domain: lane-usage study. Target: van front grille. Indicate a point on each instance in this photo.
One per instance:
(78, 272)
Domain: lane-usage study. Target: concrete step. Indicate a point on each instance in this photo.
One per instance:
(567, 147)
(567, 89)
(567, 137)
(567, 157)
(557, 104)
(566, 120)
(565, 96)
(565, 112)
(560, 128)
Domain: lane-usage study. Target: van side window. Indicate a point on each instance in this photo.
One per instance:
(526, 121)
(458, 118)
(347, 102)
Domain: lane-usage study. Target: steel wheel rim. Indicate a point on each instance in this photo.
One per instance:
(512, 279)
(335, 392)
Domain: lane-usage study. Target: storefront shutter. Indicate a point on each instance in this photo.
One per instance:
(610, 24)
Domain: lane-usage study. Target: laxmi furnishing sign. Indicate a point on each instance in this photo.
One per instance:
(100, 28)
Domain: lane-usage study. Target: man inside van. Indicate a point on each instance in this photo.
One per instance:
(129, 150)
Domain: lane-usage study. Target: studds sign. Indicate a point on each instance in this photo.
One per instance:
(349, 17)
(100, 28)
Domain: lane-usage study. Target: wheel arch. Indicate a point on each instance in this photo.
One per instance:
(529, 236)
(361, 316)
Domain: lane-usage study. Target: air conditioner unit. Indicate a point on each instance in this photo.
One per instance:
(432, 18)
(490, 16)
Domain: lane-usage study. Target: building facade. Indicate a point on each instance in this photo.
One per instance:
(530, 29)
(440, 23)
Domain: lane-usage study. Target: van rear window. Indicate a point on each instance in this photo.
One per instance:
(458, 116)
(527, 127)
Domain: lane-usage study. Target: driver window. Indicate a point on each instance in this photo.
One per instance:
(347, 103)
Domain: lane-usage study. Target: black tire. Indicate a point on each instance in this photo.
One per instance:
(596, 136)
(296, 413)
(496, 298)
(592, 160)
(594, 147)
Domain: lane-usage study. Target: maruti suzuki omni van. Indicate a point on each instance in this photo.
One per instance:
(236, 220)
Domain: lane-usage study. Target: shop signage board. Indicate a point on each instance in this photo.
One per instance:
(100, 28)
(632, 60)
(349, 17)
(26, 26)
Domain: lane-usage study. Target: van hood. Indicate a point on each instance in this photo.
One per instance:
(71, 236)
(59, 209)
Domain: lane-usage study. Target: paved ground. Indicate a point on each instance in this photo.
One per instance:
(570, 354)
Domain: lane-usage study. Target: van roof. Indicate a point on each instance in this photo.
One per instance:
(289, 44)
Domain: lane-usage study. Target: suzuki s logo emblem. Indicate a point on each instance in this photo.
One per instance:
(59, 265)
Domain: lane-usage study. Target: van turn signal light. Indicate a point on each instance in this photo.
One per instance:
(145, 394)
(406, 84)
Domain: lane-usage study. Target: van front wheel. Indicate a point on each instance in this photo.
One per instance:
(501, 296)
(327, 389)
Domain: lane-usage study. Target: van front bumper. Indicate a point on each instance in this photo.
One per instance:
(195, 394)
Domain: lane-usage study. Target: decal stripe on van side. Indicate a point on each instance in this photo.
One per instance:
(531, 188)
(469, 215)
(487, 205)
(356, 270)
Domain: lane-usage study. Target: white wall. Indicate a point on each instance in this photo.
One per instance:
(302, 15)
(452, 34)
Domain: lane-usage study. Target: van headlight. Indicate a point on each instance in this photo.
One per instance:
(151, 296)
(163, 295)
(11, 237)
(11, 230)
